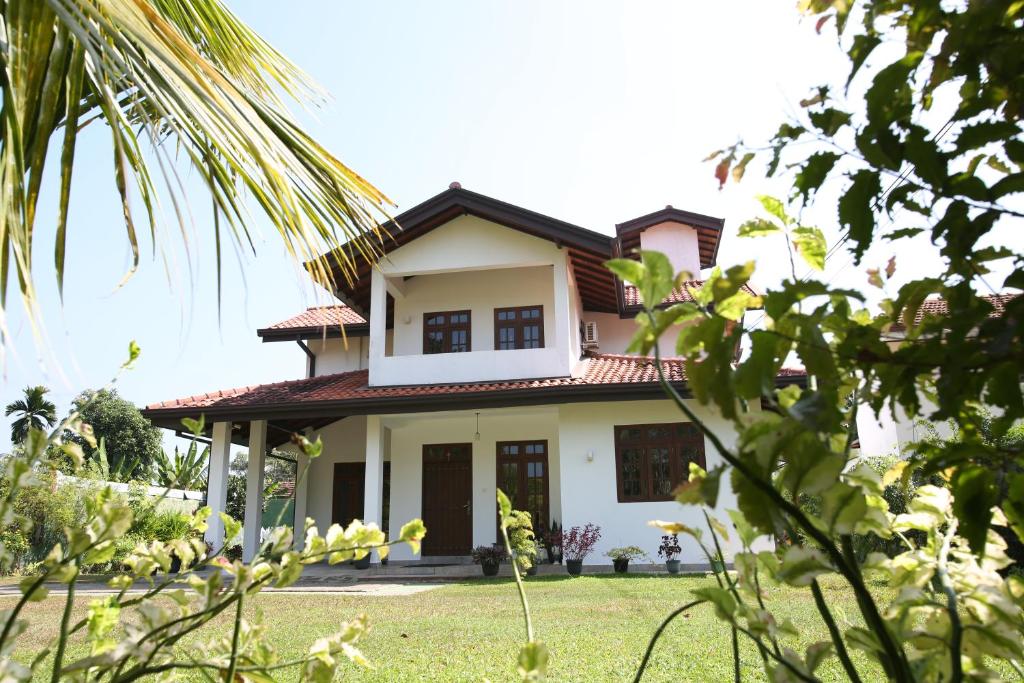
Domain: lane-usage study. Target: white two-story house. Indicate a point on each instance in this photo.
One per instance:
(486, 349)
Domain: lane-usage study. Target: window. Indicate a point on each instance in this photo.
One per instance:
(652, 459)
(519, 328)
(446, 332)
(522, 468)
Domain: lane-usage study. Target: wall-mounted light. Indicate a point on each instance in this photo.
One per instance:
(476, 437)
(590, 456)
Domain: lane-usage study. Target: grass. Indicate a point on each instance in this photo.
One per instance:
(596, 628)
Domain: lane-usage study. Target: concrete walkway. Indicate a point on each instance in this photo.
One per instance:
(362, 588)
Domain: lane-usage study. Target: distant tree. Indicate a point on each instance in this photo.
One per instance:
(132, 443)
(182, 470)
(33, 411)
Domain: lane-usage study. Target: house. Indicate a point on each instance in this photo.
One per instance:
(486, 350)
(892, 432)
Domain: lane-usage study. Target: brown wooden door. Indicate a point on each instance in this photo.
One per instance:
(523, 476)
(448, 499)
(349, 491)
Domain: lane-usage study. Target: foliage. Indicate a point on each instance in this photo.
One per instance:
(183, 87)
(141, 634)
(522, 543)
(32, 412)
(130, 443)
(550, 539)
(579, 541)
(182, 471)
(488, 554)
(629, 552)
(669, 547)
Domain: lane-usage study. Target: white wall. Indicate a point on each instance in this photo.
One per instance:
(589, 492)
(410, 433)
(615, 333)
(677, 241)
(344, 441)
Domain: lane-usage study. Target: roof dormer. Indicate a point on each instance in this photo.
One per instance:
(690, 240)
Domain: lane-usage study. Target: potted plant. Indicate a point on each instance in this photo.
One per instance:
(363, 562)
(489, 558)
(670, 549)
(576, 544)
(522, 542)
(717, 564)
(550, 539)
(622, 556)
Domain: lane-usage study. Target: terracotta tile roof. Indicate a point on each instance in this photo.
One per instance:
(632, 299)
(604, 370)
(320, 316)
(939, 308)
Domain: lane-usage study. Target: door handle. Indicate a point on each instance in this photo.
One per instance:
(468, 507)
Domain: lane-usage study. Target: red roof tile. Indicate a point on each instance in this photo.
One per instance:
(320, 316)
(598, 370)
(939, 308)
(632, 297)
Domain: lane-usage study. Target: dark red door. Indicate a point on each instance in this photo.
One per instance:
(349, 491)
(448, 499)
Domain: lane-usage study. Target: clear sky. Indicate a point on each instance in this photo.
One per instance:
(593, 112)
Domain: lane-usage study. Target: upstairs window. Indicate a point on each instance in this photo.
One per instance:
(652, 459)
(519, 328)
(446, 332)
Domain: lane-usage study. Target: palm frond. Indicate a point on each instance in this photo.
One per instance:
(185, 75)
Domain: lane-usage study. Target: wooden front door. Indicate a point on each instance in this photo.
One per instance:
(523, 476)
(349, 492)
(448, 499)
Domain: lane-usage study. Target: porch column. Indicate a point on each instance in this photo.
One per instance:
(254, 489)
(217, 482)
(373, 496)
(301, 491)
(378, 323)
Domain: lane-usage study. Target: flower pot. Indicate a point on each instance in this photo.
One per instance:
(621, 564)
(175, 564)
(574, 567)
(672, 566)
(490, 568)
(718, 567)
(532, 571)
(363, 563)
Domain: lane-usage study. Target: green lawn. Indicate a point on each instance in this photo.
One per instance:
(596, 628)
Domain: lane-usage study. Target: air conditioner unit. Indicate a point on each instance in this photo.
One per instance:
(590, 335)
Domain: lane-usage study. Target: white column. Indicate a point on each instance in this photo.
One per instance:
(378, 320)
(301, 493)
(217, 482)
(563, 336)
(254, 489)
(373, 496)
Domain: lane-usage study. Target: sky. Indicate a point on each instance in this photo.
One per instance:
(592, 112)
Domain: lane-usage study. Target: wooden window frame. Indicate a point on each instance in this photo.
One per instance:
(518, 325)
(499, 458)
(675, 445)
(447, 330)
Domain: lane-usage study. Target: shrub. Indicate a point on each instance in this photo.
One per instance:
(669, 548)
(521, 538)
(488, 554)
(578, 542)
(629, 552)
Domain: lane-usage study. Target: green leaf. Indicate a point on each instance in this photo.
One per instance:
(532, 663)
(857, 211)
(829, 121)
(701, 488)
(721, 598)
(975, 494)
(739, 169)
(504, 508)
(800, 565)
(744, 529)
(758, 227)
(412, 533)
(813, 173)
(774, 207)
(810, 243)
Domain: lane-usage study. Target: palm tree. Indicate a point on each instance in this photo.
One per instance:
(177, 82)
(33, 411)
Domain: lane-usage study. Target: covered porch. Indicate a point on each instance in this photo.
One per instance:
(443, 467)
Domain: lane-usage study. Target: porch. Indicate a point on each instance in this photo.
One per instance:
(443, 467)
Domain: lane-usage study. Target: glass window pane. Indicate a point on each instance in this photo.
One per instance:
(630, 474)
(661, 474)
(435, 342)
